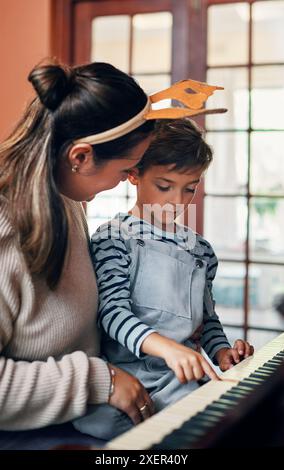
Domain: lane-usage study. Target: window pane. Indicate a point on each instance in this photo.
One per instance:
(94, 223)
(152, 42)
(234, 98)
(110, 40)
(266, 288)
(266, 229)
(267, 163)
(228, 291)
(267, 97)
(228, 34)
(153, 83)
(226, 235)
(260, 338)
(233, 334)
(228, 172)
(105, 207)
(268, 31)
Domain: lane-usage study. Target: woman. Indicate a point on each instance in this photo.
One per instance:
(49, 371)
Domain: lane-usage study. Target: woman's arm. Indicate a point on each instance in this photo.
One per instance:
(38, 393)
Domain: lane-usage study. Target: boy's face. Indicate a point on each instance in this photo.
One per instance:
(170, 190)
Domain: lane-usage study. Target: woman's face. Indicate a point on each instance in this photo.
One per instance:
(91, 178)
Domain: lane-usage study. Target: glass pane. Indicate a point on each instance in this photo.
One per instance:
(267, 163)
(234, 98)
(266, 229)
(234, 333)
(228, 291)
(260, 338)
(267, 97)
(228, 34)
(267, 292)
(105, 207)
(227, 173)
(225, 225)
(110, 40)
(268, 31)
(131, 202)
(94, 223)
(131, 188)
(152, 42)
(153, 83)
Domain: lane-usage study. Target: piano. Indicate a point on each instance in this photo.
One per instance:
(244, 409)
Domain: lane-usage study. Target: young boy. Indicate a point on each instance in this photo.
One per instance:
(155, 281)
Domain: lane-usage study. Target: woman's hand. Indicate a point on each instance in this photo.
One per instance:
(228, 357)
(130, 396)
(188, 364)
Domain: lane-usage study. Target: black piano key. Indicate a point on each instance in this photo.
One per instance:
(215, 409)
(211, 412)
(258, 375)
(275, 362)
(188, 432)
(253, 380)
(219, 404)
(244, 387)
(266, 372)
(267, 369)
(228, 403)
(200, 421)
(232, 397)
(237, 393)
(238, 390)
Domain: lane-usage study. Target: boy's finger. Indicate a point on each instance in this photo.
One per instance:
(209, 371)
(247, 349)
(240, 346)
(227, 362)
(235, 355)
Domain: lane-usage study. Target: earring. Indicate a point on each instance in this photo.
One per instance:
(74, 168)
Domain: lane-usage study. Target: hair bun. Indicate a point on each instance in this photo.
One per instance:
(52, 84)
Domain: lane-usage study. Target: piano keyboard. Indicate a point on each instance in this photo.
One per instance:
(193, 415)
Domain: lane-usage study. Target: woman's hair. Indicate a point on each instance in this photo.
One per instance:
(71, 103)
(180, 143)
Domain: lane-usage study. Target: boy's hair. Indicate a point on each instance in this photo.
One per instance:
(179, 142)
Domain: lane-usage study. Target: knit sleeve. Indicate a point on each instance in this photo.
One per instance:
(112, 264)
(39, 393)
(213, 336)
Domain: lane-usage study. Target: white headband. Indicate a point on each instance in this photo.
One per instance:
(192, 106)
(118, 131)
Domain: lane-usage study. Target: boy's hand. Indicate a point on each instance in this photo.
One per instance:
(188, 364)
(228, 357)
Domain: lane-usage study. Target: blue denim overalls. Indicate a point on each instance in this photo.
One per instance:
(168, 291)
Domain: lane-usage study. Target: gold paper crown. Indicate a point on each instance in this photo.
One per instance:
(190, 93)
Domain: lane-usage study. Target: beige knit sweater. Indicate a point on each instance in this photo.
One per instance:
(48, 339)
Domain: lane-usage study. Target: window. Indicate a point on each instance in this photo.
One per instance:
(240, 206)
(246, 181)
(140, 45)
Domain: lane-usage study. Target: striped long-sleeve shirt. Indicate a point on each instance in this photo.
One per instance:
(112, 260)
